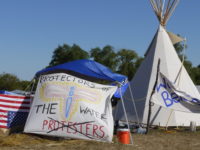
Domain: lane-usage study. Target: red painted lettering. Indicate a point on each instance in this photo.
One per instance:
(103, 133)
(51, 125)
(69, 127)
(81, 131)
(95, 127)
(87, 129)
(62, 124)
(74, 127)
(45, 122)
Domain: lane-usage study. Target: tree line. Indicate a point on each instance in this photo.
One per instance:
(123, 61)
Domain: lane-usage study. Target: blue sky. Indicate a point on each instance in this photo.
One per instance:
(30, 30)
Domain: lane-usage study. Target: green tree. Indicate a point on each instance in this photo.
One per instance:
(105, 56)
(23, 85)
(9, 82)
(138, 62)
(196, 75)
(127, 62)
(192, 71)
(179, 47)
(67, 53)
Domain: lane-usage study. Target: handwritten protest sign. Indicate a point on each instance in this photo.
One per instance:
(67, 106)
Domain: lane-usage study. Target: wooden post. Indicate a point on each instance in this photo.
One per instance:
(193, 126)
(153, 91)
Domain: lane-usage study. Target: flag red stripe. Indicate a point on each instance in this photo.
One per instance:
(3, 121)
(13, 96)
(3, 116)
(16, 102)
(16, 107)
(3, 126)
(4, 111)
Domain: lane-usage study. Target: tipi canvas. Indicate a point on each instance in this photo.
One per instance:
(162, 90)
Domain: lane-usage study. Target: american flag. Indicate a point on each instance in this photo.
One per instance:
(13, 110)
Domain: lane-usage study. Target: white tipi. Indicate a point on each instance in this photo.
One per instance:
(161, 89)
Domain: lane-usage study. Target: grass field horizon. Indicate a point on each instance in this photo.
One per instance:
(156, 139)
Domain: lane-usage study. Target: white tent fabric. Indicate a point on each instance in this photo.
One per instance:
(143, 82)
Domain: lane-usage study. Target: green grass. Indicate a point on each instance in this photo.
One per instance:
(158, 139)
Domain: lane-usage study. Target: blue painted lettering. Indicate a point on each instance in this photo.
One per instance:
(165, 96)
(163, 85)
(194, 100)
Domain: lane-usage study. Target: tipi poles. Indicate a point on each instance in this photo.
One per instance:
(183, 59)
(125, 114)
(162, 12)
(156, 7)
(177, 79)
(169, 119)
(153, 91)
(170, 9)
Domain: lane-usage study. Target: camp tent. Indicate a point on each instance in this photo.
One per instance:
(68, 104)
(161, 88)
(85, 68)
(92, 71)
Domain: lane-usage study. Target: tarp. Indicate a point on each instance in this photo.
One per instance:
(121, 90)
(87, 68)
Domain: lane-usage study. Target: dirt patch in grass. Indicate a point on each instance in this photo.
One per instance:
(155, 140)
